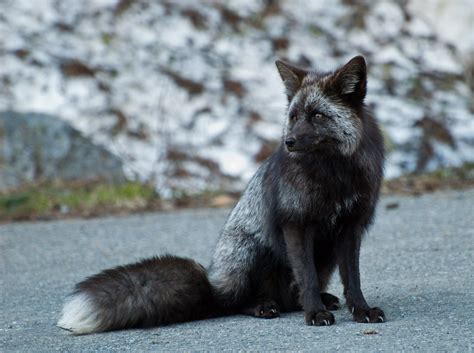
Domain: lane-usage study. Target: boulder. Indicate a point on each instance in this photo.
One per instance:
(43, 148)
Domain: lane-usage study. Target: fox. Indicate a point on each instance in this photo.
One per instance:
(303, 215)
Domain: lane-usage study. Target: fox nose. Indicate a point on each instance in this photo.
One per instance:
(290, 142)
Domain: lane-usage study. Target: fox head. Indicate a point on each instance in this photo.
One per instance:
(324, 108)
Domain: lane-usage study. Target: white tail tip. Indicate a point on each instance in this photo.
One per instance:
(79, 315)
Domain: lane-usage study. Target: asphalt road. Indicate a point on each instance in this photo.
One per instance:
(416, 263)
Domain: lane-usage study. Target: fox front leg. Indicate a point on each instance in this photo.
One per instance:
(348, 249)
(300, 246)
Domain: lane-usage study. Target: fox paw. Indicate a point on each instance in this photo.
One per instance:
(266, 309)
(372, 315)
(331, 302)
(319, 318)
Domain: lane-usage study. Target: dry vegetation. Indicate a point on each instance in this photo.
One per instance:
(55, 201)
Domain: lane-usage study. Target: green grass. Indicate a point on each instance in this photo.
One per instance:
(44, 201)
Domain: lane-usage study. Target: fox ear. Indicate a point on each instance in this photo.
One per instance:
(351, 79)
(292, 77)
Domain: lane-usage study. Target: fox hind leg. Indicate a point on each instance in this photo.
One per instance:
(263, 308)
(331, 302)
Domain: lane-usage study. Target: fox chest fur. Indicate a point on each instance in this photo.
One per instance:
(328, 193)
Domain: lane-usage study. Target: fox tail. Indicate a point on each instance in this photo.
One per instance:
(156, 291)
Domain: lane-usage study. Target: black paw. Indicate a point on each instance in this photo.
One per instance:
(266, 309)
(330, 301)
(372, 315)
(319, 318)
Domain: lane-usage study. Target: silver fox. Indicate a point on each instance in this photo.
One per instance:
(303, 214)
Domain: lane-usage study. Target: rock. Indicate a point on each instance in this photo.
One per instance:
(192, 87)
(76, 68)
(42, 148)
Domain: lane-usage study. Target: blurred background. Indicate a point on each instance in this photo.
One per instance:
(132, 105)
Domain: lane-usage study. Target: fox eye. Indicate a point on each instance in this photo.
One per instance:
(318, 116)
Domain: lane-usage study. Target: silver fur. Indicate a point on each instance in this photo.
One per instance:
(242, 235)
(344, 125)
